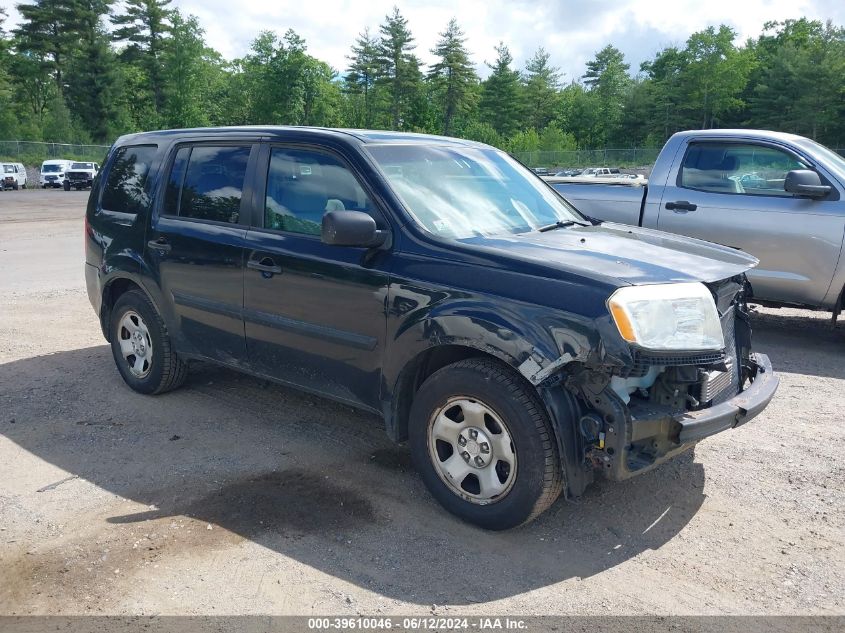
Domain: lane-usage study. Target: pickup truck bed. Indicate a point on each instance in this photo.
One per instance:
(611, 199)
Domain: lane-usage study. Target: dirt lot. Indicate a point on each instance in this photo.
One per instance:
(235, 496)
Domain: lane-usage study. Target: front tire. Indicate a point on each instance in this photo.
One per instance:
(483, 444)
(141, 346)
(66, 185)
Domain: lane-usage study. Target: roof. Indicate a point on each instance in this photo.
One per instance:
(765, 134)
(282, 131)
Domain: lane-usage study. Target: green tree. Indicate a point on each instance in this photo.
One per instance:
(185, 72)
(144, 27)
(542, 85)
(452, 76)
(47, 34)
(714, 74)
(501, 98)
(360, 78)
(398, 68)
(608, 81)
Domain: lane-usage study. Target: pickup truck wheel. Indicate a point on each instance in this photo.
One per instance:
(66, 185)
(483, 445)
(141, 347)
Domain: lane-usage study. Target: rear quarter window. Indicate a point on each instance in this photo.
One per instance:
(126, 189)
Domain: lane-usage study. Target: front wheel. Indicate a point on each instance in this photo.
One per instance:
(141, 346)
(484, 445)
(66, 185)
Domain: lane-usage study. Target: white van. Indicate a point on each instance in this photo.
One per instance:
(12, 176)
(54, 173)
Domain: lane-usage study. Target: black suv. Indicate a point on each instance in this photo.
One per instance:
(520, 348)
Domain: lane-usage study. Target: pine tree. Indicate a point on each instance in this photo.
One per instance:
(501, 97)
(452, 76)
(47, 34)
(396, 66)
(542, 83)
(608, 82)
(145, 26)
(91, 74)
(361, 76)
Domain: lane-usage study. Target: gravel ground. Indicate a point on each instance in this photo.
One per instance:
(235, 496)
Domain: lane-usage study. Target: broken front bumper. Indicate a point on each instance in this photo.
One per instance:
(653, 435)
(696, 425)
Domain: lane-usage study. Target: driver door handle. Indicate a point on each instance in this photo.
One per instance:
(265, 265)
(681, 206)
(159, 244)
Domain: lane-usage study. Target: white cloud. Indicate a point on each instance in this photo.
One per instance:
(571, 31)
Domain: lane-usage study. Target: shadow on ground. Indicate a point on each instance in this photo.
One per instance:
(804, 343)
(314, 481)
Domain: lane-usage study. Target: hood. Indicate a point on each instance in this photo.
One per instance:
(630, 254)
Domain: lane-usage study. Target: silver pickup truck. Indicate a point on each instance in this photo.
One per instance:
(779, 197)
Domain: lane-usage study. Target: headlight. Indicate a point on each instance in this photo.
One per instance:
(667, 317)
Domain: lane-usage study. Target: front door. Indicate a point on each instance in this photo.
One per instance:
(314, 314)
(196, 242)
(733, 193)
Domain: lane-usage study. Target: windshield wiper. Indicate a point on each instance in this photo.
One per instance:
(560, 224)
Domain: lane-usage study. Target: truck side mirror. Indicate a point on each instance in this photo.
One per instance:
(351, 228)
(805, 183)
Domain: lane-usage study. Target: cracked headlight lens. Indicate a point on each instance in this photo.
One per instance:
(667, 317)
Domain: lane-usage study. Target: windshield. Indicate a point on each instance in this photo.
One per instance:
(82, 166)
(9, 169)
(461, 192)
(834, 160)
(51, 168)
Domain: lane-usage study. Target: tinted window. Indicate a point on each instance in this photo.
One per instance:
(303, 185)
(737, 168)
(174, 182)
(213, 183)
(126, 188)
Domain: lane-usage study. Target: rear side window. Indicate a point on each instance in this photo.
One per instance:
(206, 183)
(126, 189)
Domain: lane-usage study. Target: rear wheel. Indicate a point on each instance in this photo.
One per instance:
(141, 346)
(483, 444)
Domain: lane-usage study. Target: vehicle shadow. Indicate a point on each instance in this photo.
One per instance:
(800, 343)
(309, 479)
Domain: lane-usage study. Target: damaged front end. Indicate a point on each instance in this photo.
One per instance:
(636, 408)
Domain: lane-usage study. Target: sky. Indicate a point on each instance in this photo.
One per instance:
(571, 31)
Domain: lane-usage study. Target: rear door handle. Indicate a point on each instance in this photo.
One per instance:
(159, 244)
(265, 265)
(681, 206)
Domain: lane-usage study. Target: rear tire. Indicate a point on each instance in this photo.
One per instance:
(476, 428)
(141, 346)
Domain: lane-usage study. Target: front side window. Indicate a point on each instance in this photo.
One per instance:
(462, 192)
(302, 185)
(740, 168)
(206, 183)
(126, 188)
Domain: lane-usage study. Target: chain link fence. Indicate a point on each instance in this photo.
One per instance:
(635, 157)
(32, 153)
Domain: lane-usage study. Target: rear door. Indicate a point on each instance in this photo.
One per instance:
(314, 314)
(731, 192)
(196, 244)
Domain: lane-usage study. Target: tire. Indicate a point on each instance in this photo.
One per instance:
(15, 187)
(484, 396)
(66, 185)
(152, 366)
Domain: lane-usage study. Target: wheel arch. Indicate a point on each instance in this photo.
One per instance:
(113, 289)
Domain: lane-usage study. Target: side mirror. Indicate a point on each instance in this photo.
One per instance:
(351, 228)
(805, 182)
